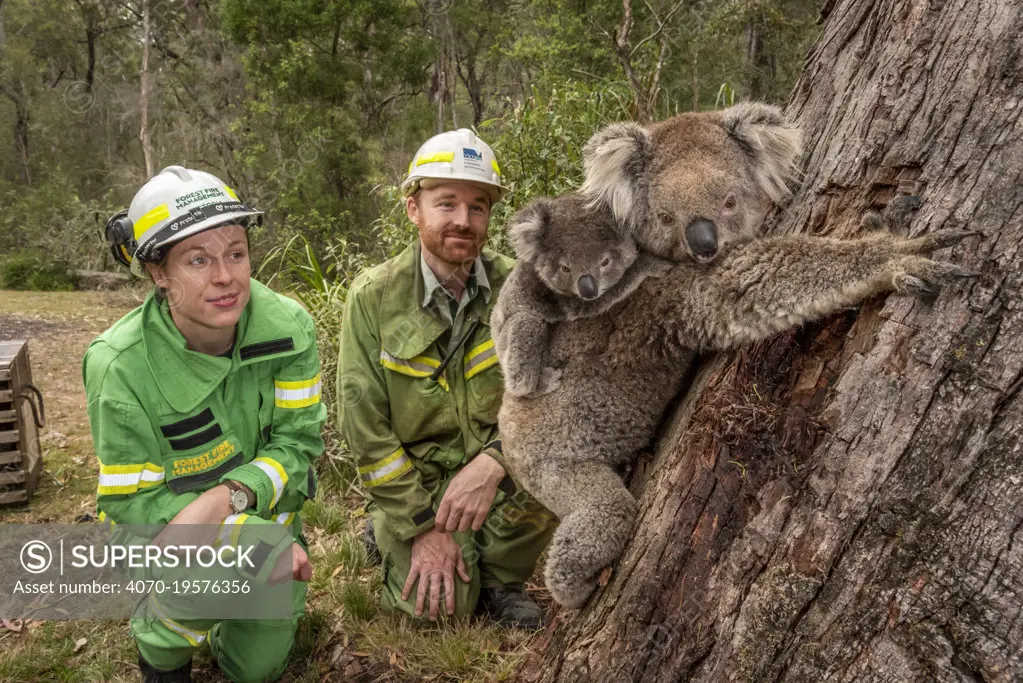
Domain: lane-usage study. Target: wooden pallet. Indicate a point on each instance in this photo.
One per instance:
(20, 456)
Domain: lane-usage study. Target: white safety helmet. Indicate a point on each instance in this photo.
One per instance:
(175, 204)
(457, 155)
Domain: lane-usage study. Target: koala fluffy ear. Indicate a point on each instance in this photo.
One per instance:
(527, 227)
(771, 142)
(615, 161)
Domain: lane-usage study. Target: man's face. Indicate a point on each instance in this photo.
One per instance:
(452, 221)
(207, 277)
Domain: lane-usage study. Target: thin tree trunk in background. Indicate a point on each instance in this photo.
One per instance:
(843, 503)
(147, 147)
(696, 78)
(759, 62)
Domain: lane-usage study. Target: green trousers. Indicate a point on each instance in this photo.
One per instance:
(245, 649)
(504, 551)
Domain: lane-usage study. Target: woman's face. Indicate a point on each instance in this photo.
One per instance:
(207, 277)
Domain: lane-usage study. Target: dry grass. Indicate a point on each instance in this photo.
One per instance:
(344, 637)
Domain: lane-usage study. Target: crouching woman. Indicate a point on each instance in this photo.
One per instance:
(204, 404)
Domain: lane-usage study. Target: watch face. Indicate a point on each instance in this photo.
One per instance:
(239, 501)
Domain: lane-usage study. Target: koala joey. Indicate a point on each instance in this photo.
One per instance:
(620, 369)
(573, 261)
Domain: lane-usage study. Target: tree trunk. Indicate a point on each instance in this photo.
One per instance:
(147, 34)
(843, 503)
(759, 62)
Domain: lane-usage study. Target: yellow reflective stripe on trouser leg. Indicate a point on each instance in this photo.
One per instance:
(480, 358)
(275, 471)
(291, 394)
(193, 637)
(391, 467)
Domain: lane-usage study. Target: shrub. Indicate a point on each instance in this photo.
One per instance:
(34, 271)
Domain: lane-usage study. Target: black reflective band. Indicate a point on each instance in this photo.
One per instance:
(266, 348)
(148, 251)
(496, 445)
(189, 424)
(196, 440)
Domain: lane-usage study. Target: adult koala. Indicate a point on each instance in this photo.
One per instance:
(693, 188)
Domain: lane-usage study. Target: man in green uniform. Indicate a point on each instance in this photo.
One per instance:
(419, 389)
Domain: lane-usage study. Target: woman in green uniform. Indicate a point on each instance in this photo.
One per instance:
(204, 404)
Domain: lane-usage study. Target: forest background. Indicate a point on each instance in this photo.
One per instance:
(312, 110)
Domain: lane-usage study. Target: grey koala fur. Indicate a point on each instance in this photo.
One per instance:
(573, 261)
(621, 369)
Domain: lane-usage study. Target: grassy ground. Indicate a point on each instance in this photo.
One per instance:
(344, 637)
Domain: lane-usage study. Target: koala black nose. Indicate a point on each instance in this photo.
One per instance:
(702, 239)
(587, 287)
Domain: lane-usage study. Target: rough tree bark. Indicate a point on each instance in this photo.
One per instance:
(844, 503)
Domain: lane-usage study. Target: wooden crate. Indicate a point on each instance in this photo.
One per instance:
(21, 416)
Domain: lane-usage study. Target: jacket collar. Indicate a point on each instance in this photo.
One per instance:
(407, 329)
(185, 377)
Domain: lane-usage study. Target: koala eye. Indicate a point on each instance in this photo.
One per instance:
(605, 262)
(665, 218)
(565, 268)
(730, 202)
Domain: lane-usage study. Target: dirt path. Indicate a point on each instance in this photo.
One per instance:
(59, 327)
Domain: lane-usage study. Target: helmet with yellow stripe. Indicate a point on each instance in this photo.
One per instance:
(455, 156)
(176, 203)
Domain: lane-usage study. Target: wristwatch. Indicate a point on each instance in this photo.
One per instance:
(239, 496)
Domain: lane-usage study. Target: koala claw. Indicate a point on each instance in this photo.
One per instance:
(938, 239)
(927, 277)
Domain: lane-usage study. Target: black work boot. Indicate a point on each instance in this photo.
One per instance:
(182, 674)
(369, 540)
(511, 605)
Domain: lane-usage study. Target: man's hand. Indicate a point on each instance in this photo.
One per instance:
(435, 557)
(469, 496)
(299, 568)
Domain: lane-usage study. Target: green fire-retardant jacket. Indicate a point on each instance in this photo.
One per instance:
(169, 423)
(408, 432)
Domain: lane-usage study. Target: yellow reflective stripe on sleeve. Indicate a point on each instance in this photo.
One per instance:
(297, 394)
(231, 528)
(420, 366)
(151, 218)
(124, 479)
(480, 358)
(434, 158)
(383, 471)
(285, 518)
(366, 469)
(276, 473)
